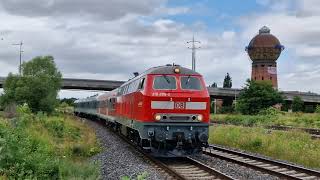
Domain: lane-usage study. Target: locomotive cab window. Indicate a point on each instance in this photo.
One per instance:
(164, 82)
(190, 83)
(141, 83)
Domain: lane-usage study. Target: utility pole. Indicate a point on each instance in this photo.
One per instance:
(20, 52)
(193, 48)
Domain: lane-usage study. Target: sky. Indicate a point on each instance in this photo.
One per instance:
(110, 39)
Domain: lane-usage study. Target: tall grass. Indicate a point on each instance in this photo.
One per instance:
(42, 147)
(293, 146)
(306, 120)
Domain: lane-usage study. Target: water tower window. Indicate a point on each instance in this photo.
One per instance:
(262, 65)
(255, 78)
(270, 78)
(262, 78)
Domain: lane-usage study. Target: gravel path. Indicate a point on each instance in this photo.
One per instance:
(118, 159)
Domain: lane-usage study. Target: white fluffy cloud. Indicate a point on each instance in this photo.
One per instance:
(298, 28)
(112, 39)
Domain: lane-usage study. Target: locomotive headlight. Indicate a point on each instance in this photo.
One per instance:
(200, 117)
(157, 117)
(177, 70)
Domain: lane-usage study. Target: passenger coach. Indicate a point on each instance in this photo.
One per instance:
(165, 110)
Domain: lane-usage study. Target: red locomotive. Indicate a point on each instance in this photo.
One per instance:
(165, 110)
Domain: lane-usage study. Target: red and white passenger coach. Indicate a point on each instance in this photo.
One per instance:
(165, 110)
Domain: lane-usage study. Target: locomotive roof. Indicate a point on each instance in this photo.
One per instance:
(169, 69)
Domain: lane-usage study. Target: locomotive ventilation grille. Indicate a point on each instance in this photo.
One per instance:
(179, 118)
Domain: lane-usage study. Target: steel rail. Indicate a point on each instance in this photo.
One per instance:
(274, 167)
(171, 171)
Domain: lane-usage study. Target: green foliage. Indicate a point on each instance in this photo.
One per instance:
(71, 170)
(309, 109)
(28, 149)
(285, 106)
(38, 86)
(271, 117)
(141, 176)
(227, 82)
(23, 156)
(297, 104)
(214, 85)
(256, 96)
(65, 108)
(317, 109)
(271, 111)
(293, 146)
(226, 109)
(69, 101)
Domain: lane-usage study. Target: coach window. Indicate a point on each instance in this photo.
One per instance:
(190, 83)
(164, 82)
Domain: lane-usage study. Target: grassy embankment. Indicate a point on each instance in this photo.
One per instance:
(42, 147)
(305, 120)
(293, 146)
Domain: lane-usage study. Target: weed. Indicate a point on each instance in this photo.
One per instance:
(294, 146)
(39, 147)
(271, 117)
(141, 176)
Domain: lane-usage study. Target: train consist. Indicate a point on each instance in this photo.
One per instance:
(165, 110)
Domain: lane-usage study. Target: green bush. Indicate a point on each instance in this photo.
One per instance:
(24, 157)
(28, 151)
(317, 109)
(256, 96)
(309, 109)
(56, 127)
(271, 111)
(297, 104)
(226, 109)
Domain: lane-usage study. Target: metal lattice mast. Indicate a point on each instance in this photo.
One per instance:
(193, 48)
(20, 52)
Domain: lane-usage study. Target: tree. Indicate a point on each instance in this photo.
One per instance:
(214, 85)
(227, 82)
(38, 86)
(256, 96)
(69, 101)
(297, 104)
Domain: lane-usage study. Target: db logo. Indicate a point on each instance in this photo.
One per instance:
(179, 105)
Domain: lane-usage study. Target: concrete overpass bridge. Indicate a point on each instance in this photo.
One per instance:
(218, 93)
(84, 84)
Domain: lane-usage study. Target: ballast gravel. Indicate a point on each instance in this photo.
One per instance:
(118, 159)
(234, 170)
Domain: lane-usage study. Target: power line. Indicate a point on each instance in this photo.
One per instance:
(193, 48)
(20, 52)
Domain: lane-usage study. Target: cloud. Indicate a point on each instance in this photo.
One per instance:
(106, 10)
(298, 30)
(112, 39)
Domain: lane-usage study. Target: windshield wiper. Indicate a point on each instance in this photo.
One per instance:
(166, 78)
(188, 80)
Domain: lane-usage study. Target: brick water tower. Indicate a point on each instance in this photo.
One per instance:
(264, 50)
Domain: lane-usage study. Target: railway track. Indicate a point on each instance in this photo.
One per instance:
(273, 167)
(178, 168)
(189, 168)
(181, 168)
